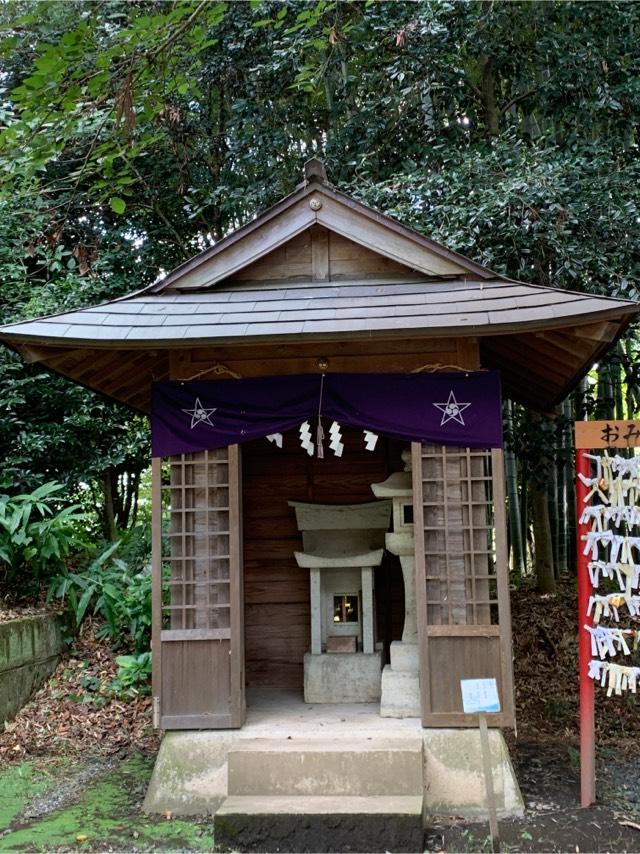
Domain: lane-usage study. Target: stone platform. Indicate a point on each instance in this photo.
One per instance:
(191, 775)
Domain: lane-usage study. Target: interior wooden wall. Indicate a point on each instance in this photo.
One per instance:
(277, 613)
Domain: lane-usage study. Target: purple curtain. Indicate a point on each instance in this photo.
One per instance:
(446, 408)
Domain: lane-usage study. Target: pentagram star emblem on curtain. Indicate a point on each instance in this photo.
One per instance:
(452, 410)
(200, 414)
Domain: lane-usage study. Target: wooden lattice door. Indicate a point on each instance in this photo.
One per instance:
(198, 635)
(462, 580)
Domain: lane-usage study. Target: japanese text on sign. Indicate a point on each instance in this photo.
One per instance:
(479, 695)
(607, 434)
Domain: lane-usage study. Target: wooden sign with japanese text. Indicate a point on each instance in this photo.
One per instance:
(607, 434)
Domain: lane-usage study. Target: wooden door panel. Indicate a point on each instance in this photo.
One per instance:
(198, 636)
(462, 583)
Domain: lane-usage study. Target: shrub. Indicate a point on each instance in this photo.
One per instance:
(111, 589)
(133, 677)
(36, 535)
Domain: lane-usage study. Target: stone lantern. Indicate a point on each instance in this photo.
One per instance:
(400, 693)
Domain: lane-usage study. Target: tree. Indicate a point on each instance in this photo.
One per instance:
(134, 135)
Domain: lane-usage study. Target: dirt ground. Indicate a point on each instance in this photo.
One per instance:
(548, 774)
(74, 767)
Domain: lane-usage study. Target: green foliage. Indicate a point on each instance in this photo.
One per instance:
(36, 535)
(117, 591)
(134, 675)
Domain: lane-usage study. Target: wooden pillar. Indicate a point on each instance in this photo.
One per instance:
(156, 585)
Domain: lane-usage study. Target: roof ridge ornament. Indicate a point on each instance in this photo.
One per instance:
(314, 170)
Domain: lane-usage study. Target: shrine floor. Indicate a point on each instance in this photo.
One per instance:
(275, 712)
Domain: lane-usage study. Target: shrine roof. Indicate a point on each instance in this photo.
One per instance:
(263, 310)
(321, 266)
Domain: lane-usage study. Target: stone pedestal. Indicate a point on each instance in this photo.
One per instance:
(342, 677)
(400, 687)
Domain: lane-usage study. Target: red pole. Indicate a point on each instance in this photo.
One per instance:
(587, 692)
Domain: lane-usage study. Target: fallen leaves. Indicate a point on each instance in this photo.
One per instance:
(545, 646)
(68, 715)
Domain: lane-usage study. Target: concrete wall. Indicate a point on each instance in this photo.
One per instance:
(29, 651)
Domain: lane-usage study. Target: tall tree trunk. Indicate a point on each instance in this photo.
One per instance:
(617, 383)
(570, 487)
(524, 516)
(545, 579)
(513, 501)
(488, 95)
(109, 512)
(554, 514)
(605, 400)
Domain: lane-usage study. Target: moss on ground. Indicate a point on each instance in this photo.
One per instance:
(20, 784)
(104, 815)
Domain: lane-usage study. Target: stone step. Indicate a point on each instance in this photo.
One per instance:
(350, 767)
(329, 823)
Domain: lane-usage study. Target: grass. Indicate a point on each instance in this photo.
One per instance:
(104, 814)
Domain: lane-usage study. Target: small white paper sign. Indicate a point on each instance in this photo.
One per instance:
(479, 695)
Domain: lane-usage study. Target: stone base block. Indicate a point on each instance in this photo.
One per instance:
(454, 780)
(318, 767)
(342, 677)
(321, 824)
(404, 656)
(190, 774)
(400, 694)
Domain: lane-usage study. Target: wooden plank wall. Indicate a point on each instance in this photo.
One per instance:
(296, 260)
(277, 615)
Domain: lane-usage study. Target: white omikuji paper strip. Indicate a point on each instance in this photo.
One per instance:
(615, 555)
(627, 574)
(601, 516)
(620, 677)
(607, 605)
(606, 641)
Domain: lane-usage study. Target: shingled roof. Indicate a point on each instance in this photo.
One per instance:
(276, 281)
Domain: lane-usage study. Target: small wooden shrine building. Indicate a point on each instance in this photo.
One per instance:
(322, 285)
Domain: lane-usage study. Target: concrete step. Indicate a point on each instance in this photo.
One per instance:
(316, 823)
(354, 767)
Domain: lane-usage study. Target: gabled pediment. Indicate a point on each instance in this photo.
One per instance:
(314, 218)
(320, 255)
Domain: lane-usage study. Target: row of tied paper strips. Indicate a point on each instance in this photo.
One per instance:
(614, 556)
(335, 439)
